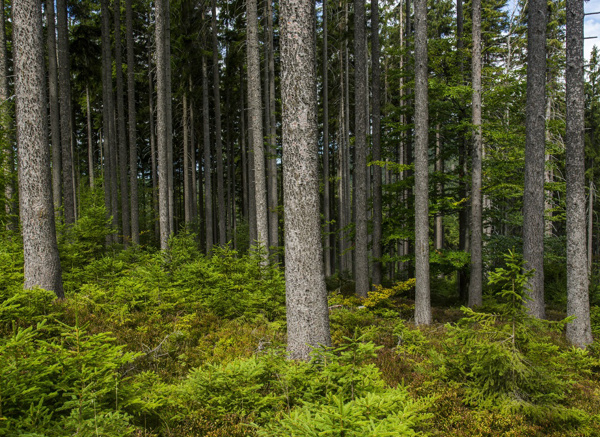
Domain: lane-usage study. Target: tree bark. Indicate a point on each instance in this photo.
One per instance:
(422, 292)
(326, 193)
(476, 279)
(207, 164)
(579, 331)
(535, 146)
(186, 164)
(306, 296)
(122, 140)
(153, 160)
(256, 128)
(161, 10)
(272, 130)
(193, 178)
(218, 129)
(64, 80)
(376, 138)
(133, 166)
(42, 263)
(89, 134)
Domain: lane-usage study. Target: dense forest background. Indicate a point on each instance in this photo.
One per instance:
(401, 195)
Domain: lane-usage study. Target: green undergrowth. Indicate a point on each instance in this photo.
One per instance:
(179, 344)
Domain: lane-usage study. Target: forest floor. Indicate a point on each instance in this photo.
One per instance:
(147, 344)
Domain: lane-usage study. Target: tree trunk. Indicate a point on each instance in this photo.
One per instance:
(245, 200)
(476, 279)
(193, 179)
(64, 80)
(42, 264)
(579, 330)
(254, 103)
(422, 293)
(535, 146)
(54, 108)
(89, 134)
(377, 200)
(133, 167)
(122, 140)
(590, 231)
(186, 164)
(326, 194)
(306, 295)
(439, 168)
(207, 164)
(272, 130)
(155, 219)
(162, 123)
(169, 116)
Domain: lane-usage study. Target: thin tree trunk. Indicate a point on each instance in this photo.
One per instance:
(535, 146)
(306, 295)
(254, 103)
(54, 107)
(590, 232)
(422, 292)
(42, 263)
(193, 178)
(89, 135)
(207, 164)
(162, 59)
(169, 115)
(133, 167)
(64, 80)
(245, 188)
(272, 129)
(376, 105)
(439, 167)
(476, 278)
(186, 164)
(153, 161)
(579, 330)
(122, 136)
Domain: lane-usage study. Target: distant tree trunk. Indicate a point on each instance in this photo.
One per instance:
(207, 164)
(65, 110)
(155, 219)
(579, 330)
(256, 128)
(244, 151)
(186, 164)
(218, 129)
(535, 146)
(272, 130)
(122, 141)
(169, 116)
(377, 200)
(590, 228)
(89, 134)
(439, 167)
(306, 295)
(133, 167)
(326, 194)
(193, 179)
(422, 293)
(107, 176)
(476, 278)
(162, 124)
(54, 108)
(42, 264)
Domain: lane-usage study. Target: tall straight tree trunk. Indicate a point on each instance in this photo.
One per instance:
(89, 134)
(107, 175)
(193, 179)
(186, 164)
(272, 130)
(133, 168)
(376, 138)
(439, 167)
(218, 129)
(422, 293)
(54, 107)
(64, 80)
(122, 136)
(579, 331)
(256, 128)
(207, 164)
(40, 251)
(326, 193)
(161, 12)
(476, 279)
(245, 197)
(153, 161)
(169, 116)
(306, 295)
(535, 147)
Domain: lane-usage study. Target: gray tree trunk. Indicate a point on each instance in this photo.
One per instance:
(133, 168)
(306, 295)
(361, 262)
(161, 10)
(579, 331)
(153, 161)
(245, 199)
(89, 134)
(186, 165)
(207, 165)
(422, 292)
(42, 264)
(535, 146)
(256, 128)
(218, 129)
(326, 192)
(439, 167)
(122, 136)
(64, 80)
(193, 178)
(54, 108)
(169, 116)
(476, 279)
(272, 130)
(376, 138)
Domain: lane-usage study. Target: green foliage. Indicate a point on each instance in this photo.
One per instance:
(507, 359)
